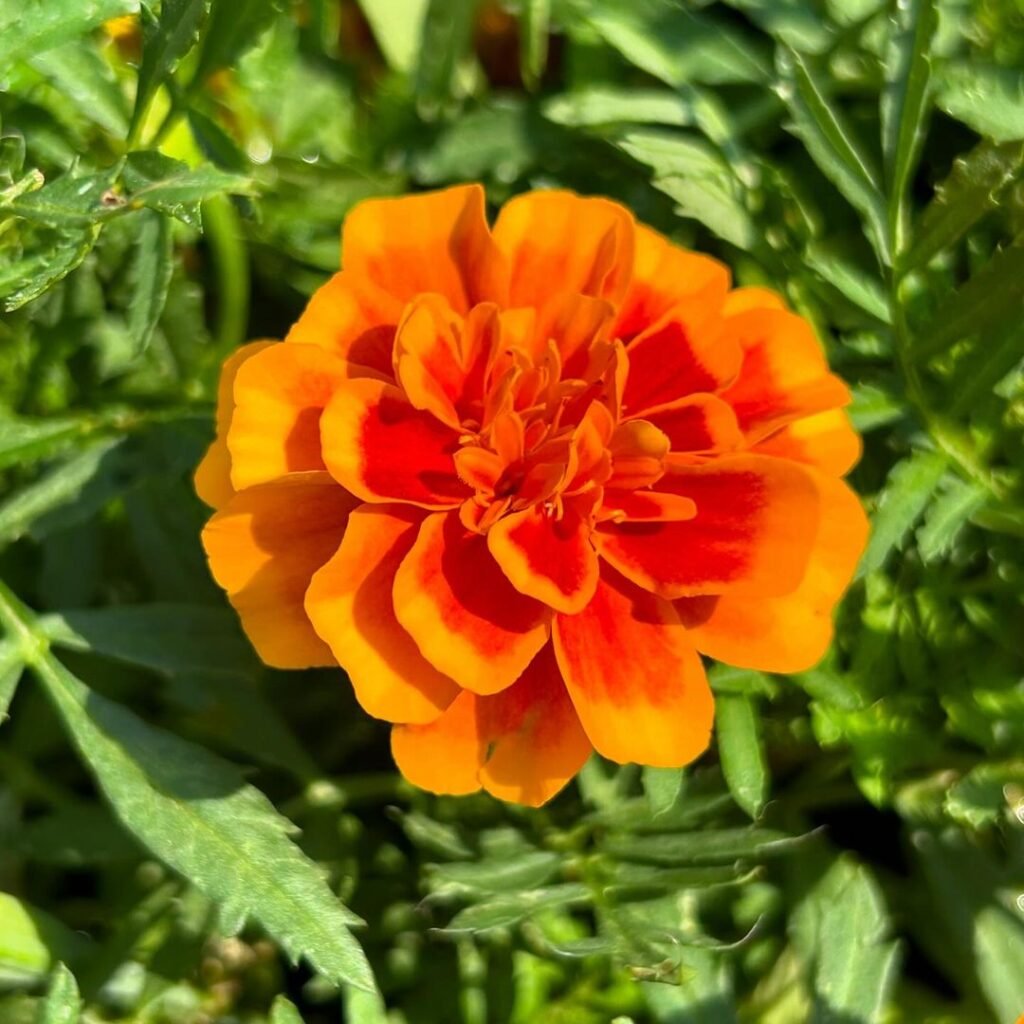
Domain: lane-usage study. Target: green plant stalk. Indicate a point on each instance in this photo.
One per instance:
(222, 230)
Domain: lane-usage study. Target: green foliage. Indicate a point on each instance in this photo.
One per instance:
(849, 850)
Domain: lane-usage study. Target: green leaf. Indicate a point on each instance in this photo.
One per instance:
(62, 1003)
(677, 46)
(662, 786)
(64, 483)
(987, 98)
(989, 301)
(30, 940)
(167, 638)
(70, 201)
(172, 187)
(523, 871)
(708, 847)
(447, 33)
(150, 276)
(972, 189)
(165, 40)
(982, 797)
(284, 1012)
(533, 30)
(862, 289)
(874, 407)
(34, 26)
(196, 813)
(600, 105)
(398, 28)
(689, 171)
(75, 836)
(741, 751)
(24, 441)
(796, 23)
(841, 928)
(946, 517)
(233, 27)
(908, 490)
(505, 911)
(30, 276)
(905, 102)
(832, 146)
(12, 664)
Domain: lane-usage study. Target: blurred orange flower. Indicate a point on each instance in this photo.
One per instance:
(516, 481)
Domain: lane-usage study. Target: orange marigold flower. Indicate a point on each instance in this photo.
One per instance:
(516, 481)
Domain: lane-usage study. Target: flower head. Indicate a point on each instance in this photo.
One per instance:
(516, 481)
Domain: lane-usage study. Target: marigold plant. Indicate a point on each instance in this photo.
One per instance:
(516, 481)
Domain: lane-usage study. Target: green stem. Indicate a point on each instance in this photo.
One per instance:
(222, 230)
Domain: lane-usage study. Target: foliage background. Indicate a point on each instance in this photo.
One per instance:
(851, 850)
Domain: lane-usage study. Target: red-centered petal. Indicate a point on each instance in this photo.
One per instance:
(537, 742)
(646, 507)
(558, 242)
(433, 242)
(784, 374)
(349, 604)
(741, 300)
(213, 474)
(264, 547)
(575, 323)
(677, 357)
(752, 534)
(443, 756)
(384, 449)
(789, 633)
(826, 441)
(663, 275)
(634, 676)
(697, 423)
(523, 744)
(638, 451)
(466, 618)
(546, 558)
(353, 319)
(279, 396)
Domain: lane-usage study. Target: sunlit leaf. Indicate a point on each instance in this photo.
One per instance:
(742, 752)
(988, 98)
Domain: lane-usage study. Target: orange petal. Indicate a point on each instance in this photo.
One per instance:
(263, 548)
(353, 319)
(443, 756)
(383, 449)
(634, 676)
(826, 441)
(784, 374)
(349, 604)
(697, 423)
(279, 396)
(467, 619)
(741, 300)
(575, 323)
(646, 507)
(547, 558)
(752, 534)
(433, 242)
(677, 357)
(523, 744)
(537, 742)
(793, 632)
(558, 242)
(663, 275)
(213, 474)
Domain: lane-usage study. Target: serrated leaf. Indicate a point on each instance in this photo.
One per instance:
(523, 871)
(24, 441)
(30, 939)
(842, 928)
(832, 145)
(700, 847)
(62, 1003)
(862, 289)
(741, 751)
(505, 911)
(172, 187)
(398, 28)
(70, 201)
(533, 52)
(35, 273)
(988, 98)
(35, 26)
(150, 277)
(233, 27)
(904, 105)
(982, 797)
(990, 300)
(196, 813)
(689, 171)
(874, 407)
(678, 46)
(662, 787)
(971, 190)
(908, 490)
(165, 40)
(167, 638)
(946, 516)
